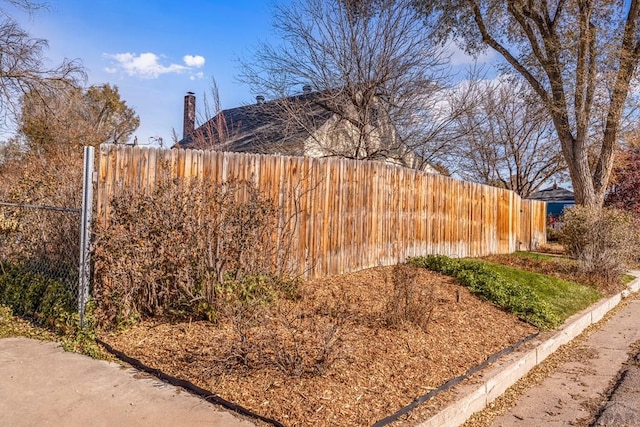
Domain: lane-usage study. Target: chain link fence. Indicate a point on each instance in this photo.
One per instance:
(44, 254)
(41, 240)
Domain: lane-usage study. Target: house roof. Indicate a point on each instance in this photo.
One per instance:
(264, 126)
(554, 194)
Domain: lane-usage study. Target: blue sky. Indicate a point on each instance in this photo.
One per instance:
(155, 51)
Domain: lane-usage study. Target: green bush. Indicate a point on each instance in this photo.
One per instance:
(603, 241)
(482, 281)
(34, 295)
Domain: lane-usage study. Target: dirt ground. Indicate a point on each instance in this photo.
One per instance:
(350, 351)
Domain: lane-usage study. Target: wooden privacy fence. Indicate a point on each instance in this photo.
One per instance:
(349, 215)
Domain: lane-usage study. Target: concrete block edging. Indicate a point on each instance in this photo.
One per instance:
(504, 373)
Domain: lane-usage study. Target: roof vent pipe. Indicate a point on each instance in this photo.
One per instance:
(259, 99)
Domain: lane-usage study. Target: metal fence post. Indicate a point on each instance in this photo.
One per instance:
(85, 234)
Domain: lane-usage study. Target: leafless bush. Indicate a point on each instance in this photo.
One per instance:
(603, 240)
(409, 302)
(292, 341)
(300, 344)
(247, 349)
(189, 247)
(42, 240)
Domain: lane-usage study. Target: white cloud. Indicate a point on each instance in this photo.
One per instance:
(196, 76)
(459, 57)
(149, 65)
(196, 61)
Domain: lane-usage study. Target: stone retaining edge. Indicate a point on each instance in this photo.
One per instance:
(506, 372)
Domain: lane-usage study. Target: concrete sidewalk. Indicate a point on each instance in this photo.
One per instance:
(623, 406)
(569, 394)
(42, 385)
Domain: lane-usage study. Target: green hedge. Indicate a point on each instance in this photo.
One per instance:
(36, 296)
(483, 281)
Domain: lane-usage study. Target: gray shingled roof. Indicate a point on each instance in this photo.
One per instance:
(554, 194)
(264, 127)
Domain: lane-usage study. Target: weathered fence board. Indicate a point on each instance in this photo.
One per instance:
(345, 215)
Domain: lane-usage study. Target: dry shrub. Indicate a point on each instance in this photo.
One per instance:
(302, 344)
(603, 241)
(296, 343)
(41, 241)
(246, 350)
(37, 240)
(39, 248)
(188, 247)
(409, 302)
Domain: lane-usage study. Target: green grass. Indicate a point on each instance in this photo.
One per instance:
(564, 297)
(78, 341)
(12, 326)
(543, 301)
(628, 278)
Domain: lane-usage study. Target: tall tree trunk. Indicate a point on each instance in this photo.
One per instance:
(586, 191)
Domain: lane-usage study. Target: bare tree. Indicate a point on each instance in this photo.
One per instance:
(368, 67)
(29, 6)
(435, 134)
(508, 139)
(22, 64)
(579, 57)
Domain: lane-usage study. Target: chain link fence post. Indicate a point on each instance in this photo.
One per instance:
(85, 234)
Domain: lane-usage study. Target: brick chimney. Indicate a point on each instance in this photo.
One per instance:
(189, 118)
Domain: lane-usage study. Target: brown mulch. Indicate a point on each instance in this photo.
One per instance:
(345, 353)
(552, 248)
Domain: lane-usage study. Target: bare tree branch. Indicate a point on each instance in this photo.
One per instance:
(23, 69)
(371, 64)
(579, 56)
(508, 139)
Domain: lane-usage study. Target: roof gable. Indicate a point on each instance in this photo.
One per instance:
(262, 127)
(554, 194)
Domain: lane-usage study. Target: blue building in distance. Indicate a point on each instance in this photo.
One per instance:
(557, 199)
